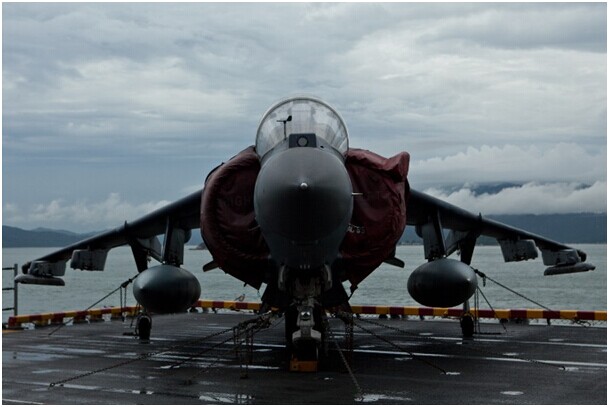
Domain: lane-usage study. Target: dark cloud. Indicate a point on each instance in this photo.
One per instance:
(171, 90)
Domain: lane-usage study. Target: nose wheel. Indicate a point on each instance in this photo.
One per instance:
(303, 330)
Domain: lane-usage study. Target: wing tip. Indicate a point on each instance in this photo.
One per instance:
(569, 269)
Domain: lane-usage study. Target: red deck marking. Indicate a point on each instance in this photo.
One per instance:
(396, 311)
(588, 315)
(367, 309)
(486, 313)
(424, 311)
(519, 313)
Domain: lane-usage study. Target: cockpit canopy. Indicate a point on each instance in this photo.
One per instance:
(300, 115)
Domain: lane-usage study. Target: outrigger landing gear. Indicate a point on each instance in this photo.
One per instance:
(143, 326)
(467, 321)
(467, 326)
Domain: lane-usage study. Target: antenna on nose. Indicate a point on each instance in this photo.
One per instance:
(284, 121)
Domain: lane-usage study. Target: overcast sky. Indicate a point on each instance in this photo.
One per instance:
(112, 110)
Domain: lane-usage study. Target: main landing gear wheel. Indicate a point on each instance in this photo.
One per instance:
(467, 326)
(144, 326)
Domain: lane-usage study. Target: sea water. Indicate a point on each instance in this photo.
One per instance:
(385, 286)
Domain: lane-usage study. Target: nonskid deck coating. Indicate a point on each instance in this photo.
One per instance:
(428, 363)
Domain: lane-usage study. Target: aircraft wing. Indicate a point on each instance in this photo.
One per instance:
(141, 234)
(431, 216)
(428, 214)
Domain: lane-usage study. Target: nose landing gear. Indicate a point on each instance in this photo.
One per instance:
(304, 337)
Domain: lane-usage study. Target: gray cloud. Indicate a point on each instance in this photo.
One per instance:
(82, 215)
(563, 162)
(531, 198)
(527, 26)
(146, 98)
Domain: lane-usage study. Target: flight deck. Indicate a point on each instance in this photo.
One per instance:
(195, 358)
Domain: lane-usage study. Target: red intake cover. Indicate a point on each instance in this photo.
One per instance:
(379, 215)
(227, 219)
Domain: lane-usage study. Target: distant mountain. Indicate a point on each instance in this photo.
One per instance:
(478, 189)
(44, 237)
(65, 232)
(567, 228)
(41, 237)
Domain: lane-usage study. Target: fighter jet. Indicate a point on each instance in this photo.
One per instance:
(303, 213)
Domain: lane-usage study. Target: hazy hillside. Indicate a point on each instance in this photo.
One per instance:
(41, 237)
(569, 228)
(15, 237)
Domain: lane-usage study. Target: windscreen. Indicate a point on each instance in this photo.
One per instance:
(301, 115)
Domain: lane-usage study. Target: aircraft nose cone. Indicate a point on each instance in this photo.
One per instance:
(303, 194)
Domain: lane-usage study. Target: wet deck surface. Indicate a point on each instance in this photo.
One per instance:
(427, 362)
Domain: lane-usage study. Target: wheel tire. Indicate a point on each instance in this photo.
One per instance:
(467, 326)
(144, 326)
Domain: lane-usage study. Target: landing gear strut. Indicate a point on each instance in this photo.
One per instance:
(304, 336)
